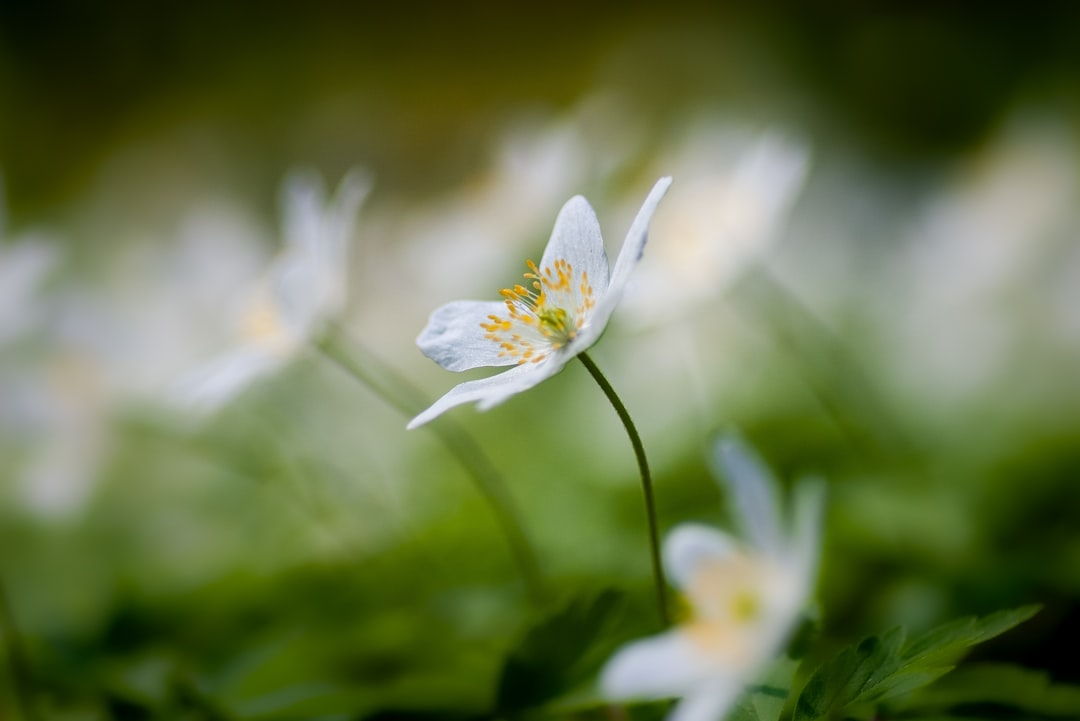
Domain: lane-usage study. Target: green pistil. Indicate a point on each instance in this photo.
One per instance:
(746, 606)
(556, 323)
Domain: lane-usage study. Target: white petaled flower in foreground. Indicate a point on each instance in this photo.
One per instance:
(538, 327)
(302, 290)
(746, 596)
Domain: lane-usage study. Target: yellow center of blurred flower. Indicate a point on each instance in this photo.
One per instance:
(262, 324)
(543, 316)
(727, 601)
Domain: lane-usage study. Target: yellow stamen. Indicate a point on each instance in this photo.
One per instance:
(554, 303)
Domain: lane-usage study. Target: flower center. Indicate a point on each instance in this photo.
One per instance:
(727, 607)
(556, 323)
(729, 590)
(543, 316)
(263, 326)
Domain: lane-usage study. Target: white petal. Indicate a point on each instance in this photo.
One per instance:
(631, 252)
(454, 339)
(709, 702)
(657, 667)
(771, 173)
(298, 291)
(807, 512)
(689, 545)
(576, 239)
(341, 219)
(303, 203)
(22, 268)
(752, 488)
(309, 277)
(489, 392)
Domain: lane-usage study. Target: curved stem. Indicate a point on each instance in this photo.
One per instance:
(646, 483)
(387, 384)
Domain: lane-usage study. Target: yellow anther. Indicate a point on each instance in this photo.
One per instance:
(554, 302)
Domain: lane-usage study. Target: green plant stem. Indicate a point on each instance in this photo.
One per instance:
(20, 670)
(646, 483)
(396, 392)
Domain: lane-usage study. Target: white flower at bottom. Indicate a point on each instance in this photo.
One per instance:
(541, 326)
(745, 596)
(302, 290)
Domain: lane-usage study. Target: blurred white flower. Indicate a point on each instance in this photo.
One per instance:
(503, 207)
(983, 260)
(745, 595)
(23, 266)
(734, 192)
(511, 201)
(64, 408)
(541, 327)
(114, 335)
(35, 418)
(24, 263)
(302, 290)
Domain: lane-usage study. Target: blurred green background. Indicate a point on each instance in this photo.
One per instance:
(906, 325)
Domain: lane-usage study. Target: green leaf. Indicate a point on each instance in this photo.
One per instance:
(902, 682)
(881, 662)
(851, 673)
(1024, 689)
(765, 701)
(955, 636)
(882, 668)
(561, 651)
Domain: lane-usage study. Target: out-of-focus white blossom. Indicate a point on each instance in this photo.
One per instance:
(984, 258)
(66, 416)
(734, 193)
(539, 328)
(23, 266)
(24, 263)
(41, 481)
(501, 208)
(117, 336)
(745, 595)
(304, 288)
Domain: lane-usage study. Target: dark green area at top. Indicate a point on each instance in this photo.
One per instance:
(906, 78)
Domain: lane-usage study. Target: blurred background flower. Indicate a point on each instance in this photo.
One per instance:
(872, 233)
(290, 305)
(745, 593)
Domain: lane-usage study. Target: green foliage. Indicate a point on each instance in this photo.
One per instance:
(880, 668)
(766, 701)
(1025, 692)
(963, 633)
(563, 650)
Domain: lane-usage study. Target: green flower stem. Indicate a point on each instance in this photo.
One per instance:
(387, 384)
(20, 670)
(646, 484)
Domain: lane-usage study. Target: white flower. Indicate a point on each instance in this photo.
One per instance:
(981, 262)
(538, 328)
(302, 290)
(735, 191)
(745, 596)
(25, 261)
(23, 267)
